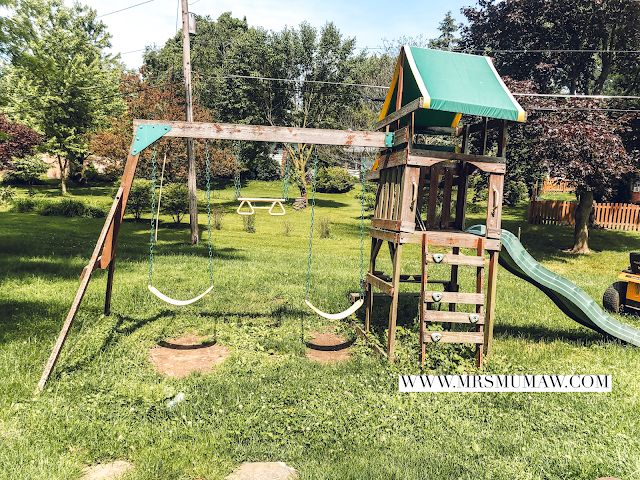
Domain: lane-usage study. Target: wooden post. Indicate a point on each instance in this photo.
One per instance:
(191, 178)
(491, 301)
(393, 309)
(423, 306)
(112, 263)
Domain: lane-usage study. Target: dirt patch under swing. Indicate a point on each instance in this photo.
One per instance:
(328, 348)
(179, 357)
(263, 471)
(106, 471)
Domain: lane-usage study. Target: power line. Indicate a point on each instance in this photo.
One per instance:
(125, 8)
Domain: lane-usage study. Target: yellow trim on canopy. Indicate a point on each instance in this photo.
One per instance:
(394, 81)
(456, 120)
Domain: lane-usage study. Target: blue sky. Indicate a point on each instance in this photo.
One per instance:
(369, 21)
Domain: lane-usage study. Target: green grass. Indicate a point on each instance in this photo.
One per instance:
(268, 402)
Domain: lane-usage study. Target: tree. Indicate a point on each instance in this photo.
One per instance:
(16, 141)
(572, 139)
(58, 53)
(447, 40)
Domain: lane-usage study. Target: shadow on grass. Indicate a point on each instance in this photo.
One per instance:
(542, 334)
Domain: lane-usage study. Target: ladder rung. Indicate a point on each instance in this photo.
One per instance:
(454, 297)
(454, 337)
(451, 259)
(453, 317)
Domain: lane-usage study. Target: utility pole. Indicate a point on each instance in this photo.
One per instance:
(186, 69)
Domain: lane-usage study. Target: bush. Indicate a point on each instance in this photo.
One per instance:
(515, 192)
(325, 228)
(175, 200)
(26, 171)
(334, 180)
(249, 223)
(92, 175)
(139, 198)
(64, 208)
(26, 205)
(7, 195)
(369, 200)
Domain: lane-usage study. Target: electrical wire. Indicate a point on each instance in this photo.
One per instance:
(125, 8)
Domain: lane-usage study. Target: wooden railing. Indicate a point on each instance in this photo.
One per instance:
(612, 216)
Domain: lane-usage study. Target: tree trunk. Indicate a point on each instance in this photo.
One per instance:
(581, 231)
(62, 165)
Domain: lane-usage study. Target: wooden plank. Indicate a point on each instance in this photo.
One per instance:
(393, 308)
(459, 259)
(423, 305)
(464, 157)
(445, 213)
(401, 136)
(455, 297)
(443, 238)
(116, 207)
(443, 316)
(455, 337)
(382, 234)
(379, 283)
(392, 159)
(491, 301)
(398, 114)
(494, 206)
(395, 225)
(267, 133)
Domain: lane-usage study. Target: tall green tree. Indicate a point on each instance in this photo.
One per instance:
(577, 140)
(66, 84)
(448, 38)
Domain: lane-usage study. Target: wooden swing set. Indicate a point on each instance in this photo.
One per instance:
(430, 92)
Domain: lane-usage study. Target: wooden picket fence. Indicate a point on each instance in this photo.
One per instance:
(612, 216)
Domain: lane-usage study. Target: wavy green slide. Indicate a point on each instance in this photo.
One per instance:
(571, 299)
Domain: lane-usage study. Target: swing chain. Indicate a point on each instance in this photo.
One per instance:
(208, 196)
(363, 188)
(285, 180)
(313, 214)
(237, 182)
(154, 171)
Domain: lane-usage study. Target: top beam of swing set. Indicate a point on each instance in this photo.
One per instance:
(264, 133)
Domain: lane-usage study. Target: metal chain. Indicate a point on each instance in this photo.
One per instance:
(154, 171)
(285, 180)
(208, 196)
(313, 214)
(362, 226)
(237, 181)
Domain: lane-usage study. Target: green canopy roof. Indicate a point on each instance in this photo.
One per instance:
(451, 84)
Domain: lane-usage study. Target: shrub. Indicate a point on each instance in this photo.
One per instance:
(334, 180)
(7, 195)
(26, 171)
(249, 223)
(92, 175)
(139, 198)
(325, 228)
(216, 217)
(64, 208)
(515, 192)
(26, 205)
(175, 200)
(369, 200)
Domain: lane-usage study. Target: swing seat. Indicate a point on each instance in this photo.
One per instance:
(337, 316)
(249, 202)
(177, 303)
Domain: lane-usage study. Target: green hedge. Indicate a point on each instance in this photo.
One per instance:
(334, 180)
(58, 208)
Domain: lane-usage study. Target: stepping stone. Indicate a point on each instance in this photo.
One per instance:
(106, 471)
(179, 357)
(263, 471)
(322, 350)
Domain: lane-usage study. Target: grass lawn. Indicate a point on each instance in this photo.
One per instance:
(267, 402)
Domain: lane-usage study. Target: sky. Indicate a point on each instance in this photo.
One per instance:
(370, 21)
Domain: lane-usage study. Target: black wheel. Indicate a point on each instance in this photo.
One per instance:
(614, 296)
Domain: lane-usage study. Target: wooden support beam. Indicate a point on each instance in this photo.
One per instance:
(398, 114)
(458, 259)
(443, 316)
(62, 336)
(454, 297)
(491, 301)
(454, 337)
(379, 283)
(264, 133)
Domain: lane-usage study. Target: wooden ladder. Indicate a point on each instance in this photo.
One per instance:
(452, 297)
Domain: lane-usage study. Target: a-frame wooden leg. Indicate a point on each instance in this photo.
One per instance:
(393, 309)
(84, 283)
(112, 263)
